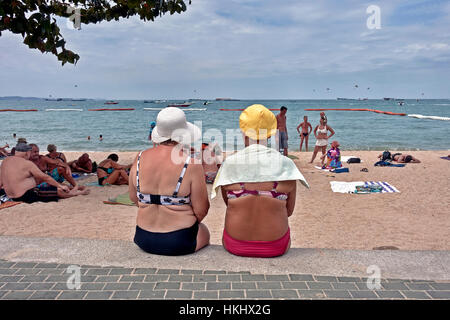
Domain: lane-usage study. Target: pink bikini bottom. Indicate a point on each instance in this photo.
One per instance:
(260, 249)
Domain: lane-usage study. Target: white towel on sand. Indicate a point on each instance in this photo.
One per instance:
(256, 163)
(350, 187)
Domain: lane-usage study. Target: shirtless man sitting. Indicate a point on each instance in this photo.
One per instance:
(56, 168)
(83, 164)
(23, 181)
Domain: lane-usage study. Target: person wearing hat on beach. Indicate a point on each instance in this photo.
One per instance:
(23, 181)
(258, 186)
(169, 188)
(152, 126)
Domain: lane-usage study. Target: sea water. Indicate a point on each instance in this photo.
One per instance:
(128, 130)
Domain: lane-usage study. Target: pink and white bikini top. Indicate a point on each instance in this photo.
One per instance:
(231, 194)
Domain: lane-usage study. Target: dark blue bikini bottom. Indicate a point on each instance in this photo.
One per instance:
(174, 243)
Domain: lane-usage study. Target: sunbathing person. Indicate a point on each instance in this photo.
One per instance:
(110, 172)
(83, 164)
(169, 188)
(57, 169)
(258, 187)
(23, 181)
(398, 157)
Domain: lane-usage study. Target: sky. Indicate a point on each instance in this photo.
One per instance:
(246, 49)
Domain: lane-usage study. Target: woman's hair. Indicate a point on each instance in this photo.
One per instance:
(114, 157)
(408, 158)
(51, 148)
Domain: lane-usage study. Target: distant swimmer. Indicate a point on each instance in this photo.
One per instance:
(101, 138)
(89, 137)
(400, 103)
(14, 136)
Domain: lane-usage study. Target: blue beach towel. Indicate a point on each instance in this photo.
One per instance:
(445, 158)
(388, 164)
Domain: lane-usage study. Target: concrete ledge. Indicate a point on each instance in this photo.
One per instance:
(419, 265)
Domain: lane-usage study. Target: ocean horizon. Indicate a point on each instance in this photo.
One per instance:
(128, 130)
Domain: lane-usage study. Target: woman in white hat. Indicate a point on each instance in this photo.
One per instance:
(170, 190)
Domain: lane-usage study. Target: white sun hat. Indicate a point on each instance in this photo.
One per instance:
(171, 124)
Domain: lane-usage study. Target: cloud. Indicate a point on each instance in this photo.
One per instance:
(238, 47)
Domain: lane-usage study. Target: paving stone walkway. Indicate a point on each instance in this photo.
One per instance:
(50, 281)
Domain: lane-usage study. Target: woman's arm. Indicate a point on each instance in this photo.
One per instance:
(131, 183)
(199, 193)
(331, 130)
(290, 203)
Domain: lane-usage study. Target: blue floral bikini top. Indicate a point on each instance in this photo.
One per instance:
(159, 199)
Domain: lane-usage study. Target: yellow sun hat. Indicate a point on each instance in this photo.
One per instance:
(257, 122)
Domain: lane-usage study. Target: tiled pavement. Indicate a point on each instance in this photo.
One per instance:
(29, 280)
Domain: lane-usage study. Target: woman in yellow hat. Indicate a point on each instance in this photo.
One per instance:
(258, 186)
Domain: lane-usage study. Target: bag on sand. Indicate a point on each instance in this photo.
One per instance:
(354, 160)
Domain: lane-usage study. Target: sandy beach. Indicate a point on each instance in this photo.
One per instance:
(417, 218)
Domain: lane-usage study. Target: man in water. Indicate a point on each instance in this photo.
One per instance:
(304, 135)
(56, 168)
(23, 181)
(281, 127)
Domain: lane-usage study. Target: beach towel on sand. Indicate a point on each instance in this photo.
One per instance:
(350, 187)
(123, 199)
(8, 204)
(256, 163)
(445, 158)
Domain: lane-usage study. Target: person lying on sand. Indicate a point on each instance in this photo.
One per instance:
(23, 181)
(83, 164)
(55, 168)
(110, 172)
(398, 157)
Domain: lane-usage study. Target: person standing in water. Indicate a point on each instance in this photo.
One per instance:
(306, 130)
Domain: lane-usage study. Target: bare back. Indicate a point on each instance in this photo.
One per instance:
(17, 176)
(261, 218)
(158, 175)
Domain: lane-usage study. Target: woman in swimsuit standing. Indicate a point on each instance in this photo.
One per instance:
(321, 134)
(169, 188)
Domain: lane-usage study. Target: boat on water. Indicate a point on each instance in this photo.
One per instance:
(180, 105)
(111, 102)
(351, 99)
(226, 99)
(51, 99)
(387, 99)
